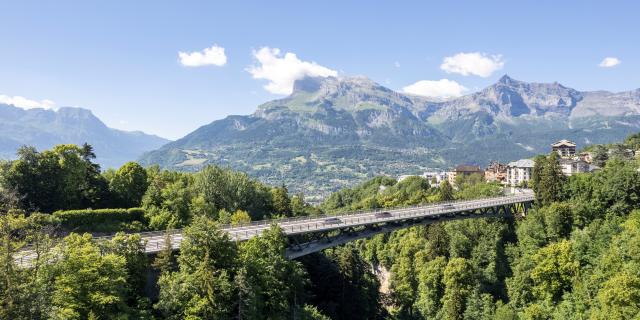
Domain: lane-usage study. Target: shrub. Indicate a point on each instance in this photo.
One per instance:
(102, 220)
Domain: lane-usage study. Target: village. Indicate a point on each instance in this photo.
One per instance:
(517, 174)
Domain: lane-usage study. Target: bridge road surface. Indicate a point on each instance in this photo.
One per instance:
(155, 241)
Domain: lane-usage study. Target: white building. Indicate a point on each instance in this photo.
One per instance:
(564, 148)
(439, 176)
(573, 166)
(519, 172)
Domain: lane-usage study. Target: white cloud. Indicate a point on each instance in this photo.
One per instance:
(282, 71)
(396, 64)
(443, 88)
(24, 103)
(609, 62)
(209, 56)
(472, 63)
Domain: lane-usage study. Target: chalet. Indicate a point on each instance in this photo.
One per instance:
(573, 166)
(519, 172)
(564, 148)
(586, 157)
(496, 171)
(463, 170)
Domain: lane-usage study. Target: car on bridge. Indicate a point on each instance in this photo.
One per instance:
(332, 220)
(447, 206)
(383, 214)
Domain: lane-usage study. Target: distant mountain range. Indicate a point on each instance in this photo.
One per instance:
(45, 128)
(336, 131)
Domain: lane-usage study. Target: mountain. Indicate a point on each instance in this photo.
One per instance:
(43, 129)
(336, 131)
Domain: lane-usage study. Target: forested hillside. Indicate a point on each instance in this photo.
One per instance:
(572, 257)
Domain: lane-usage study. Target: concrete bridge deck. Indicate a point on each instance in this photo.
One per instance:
(155, 241)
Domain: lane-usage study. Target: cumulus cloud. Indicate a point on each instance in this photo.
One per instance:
(213, 56)
(24, 103)
(609, 62)
(443, 88)
(472, 63)
(283, 70)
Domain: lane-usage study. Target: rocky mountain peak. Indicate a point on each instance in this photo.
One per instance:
(341, 93)
(506, 80)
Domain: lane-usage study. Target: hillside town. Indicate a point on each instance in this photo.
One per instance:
(519, 173)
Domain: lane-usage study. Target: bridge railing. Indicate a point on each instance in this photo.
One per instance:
(343, 215)
(398, 214)
(154, 240)
(356, 212)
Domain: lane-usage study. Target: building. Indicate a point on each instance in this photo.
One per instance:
(573, 166)
(496, 171)
(437, 176)
(564, 148)
(586, 157)
(463, 170)
(519, 172)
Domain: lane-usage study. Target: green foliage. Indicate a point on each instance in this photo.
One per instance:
(240, 217)
(445, 192)
(281, 201)
(128, 185)
(311, 313)
(103, 220)
(218, 280)
(458, 282)
(554, 268)
(231, 190)
(633, 141)
(359, 197)
(343, 285)
(547, 179)
(87, 283)
(431, 287)
(62, 178)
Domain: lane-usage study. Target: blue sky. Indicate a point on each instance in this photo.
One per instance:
(121, 58)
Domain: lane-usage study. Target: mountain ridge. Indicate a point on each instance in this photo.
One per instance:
(44, 128)
(335, 131)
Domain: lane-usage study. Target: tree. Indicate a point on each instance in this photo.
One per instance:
(132, 248)
(343, 285)
(240, 217)
(445, 191)
(281, 201)
(202, 288)
(548, 179)
(554, 269)
(458, 281)
(633, 141)
(277, 281)
(431, 288)
(11, 222)
(165, 260)
(311, 313)
(599, 155)
(129, 184)
(230, 190)
(558, 220)
(61, 178)
(87, 283)
(619, 297)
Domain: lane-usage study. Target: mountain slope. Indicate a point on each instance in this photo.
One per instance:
(45, 128)
(334, 132)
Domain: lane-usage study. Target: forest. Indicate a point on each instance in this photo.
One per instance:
(574, 256)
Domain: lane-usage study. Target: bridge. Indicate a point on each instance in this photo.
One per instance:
(315, 233)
